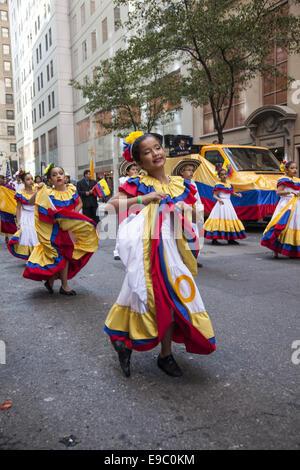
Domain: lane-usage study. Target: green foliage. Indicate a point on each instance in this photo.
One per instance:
(136, 94)
(223, 44)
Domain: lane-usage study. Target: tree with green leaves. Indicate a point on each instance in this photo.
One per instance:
(136, 94)
(222, 44)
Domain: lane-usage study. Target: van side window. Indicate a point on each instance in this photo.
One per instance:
(214, 157)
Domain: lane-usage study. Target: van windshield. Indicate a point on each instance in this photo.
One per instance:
(248, 159)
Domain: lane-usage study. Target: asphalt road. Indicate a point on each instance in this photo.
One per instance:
(63, 378)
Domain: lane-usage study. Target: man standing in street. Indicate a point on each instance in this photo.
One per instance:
(89, 201)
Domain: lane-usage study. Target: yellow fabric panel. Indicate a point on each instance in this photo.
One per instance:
(290, 237)
(175, 188)
(291, 204)
(148, 211)
(62, 195)
(7, 201)
(223, 225)
(202, 322)
(140, 326)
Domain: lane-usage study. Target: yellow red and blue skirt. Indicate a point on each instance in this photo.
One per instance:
(159, 250)
(223, 222)
(282, 234)
(22, 243)
(63, 235)
(8, 207)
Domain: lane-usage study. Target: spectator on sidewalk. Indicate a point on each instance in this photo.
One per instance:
(89, 201)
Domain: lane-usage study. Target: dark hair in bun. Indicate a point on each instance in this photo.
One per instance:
(288, 164)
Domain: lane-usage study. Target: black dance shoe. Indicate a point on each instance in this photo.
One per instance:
(48, 287)
(66, 292)
(233, 242)
(215, 242)
(169, 366)
(124, 356)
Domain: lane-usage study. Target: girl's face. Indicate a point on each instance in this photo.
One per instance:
(133, 171)
(28, 181)
(57, 176)
(152, 155)
(187, 172)
(223, 175)
(38, 180)
(292, 170)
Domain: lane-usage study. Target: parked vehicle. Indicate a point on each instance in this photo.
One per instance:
(254, 172)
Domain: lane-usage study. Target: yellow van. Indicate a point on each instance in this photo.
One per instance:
(254, 171)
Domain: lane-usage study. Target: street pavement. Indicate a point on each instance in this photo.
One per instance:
(63, 377)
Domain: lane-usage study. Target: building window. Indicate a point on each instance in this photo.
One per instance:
(84, 51)
(49, 102)
(8, 82)
(92, 6)
(94, 41)
(117, 17)
(9, 99)
(48, 72)
(6, 49)
(13, 147)
(5, 32)
(83, 131)
(53, 99)
(82, 13)
(46, 42)
(51, 69)
(52, 139)
(74, 25)
(10, 115)
(104, 30)
(7, 66)
(3, 15)
(43, 144)
(10, 130)
(50, 37)
(36, 149)
(275, 88)
(235, 119)
(76, 59)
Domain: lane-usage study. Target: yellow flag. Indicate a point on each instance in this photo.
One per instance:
(92, 169)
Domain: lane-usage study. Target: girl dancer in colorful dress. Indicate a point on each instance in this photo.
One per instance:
(159, 301)
(22, 243)
(67, 239)
(282, 235)
(223, 223)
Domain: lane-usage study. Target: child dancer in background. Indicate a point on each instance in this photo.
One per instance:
(22, 243)
(67, 239)
(186, 168)
(159, 301)
(127, 170)
(223, 223)
(282, 234)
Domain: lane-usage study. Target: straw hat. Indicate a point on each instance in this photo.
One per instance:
(182, 163)
(124, 167)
